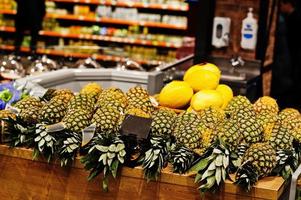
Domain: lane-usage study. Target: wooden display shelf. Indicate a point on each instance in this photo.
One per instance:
(77, 55)
(128, 4)
(99, 38)
(21, 177)
(105, 20)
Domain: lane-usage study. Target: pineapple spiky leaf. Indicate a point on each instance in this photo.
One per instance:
(155, 158)
(247, 175)
(70, 148)
(181, 159)
(212, 170)
(106, 155)
(45, 143)
(287, 163)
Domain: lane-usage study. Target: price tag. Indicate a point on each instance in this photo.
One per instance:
(88, 134)
(134, 125)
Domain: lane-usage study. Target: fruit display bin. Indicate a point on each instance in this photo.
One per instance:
(23, 178)
(75, 79)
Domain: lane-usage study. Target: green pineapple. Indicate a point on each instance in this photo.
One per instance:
(81, 102)
(186, 131)
(162, 124)
(250, 128)
(267, 120)
(228, 131)
(77, 120)
(107, 120)
(281, 137)
(53, 111)
(112, 95)
(210, 118)
(139, 98)
(30, 116)
(63, 92)
(4, 125)
(258, 161)
(137, 112)
(28, 102)
(266, 104)
(92, 89)
(237, 103)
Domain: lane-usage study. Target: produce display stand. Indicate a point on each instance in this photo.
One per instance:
(23, 178)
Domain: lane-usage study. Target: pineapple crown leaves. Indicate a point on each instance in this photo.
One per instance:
(247, 175)
(107, 154)
(181, 159)
(45, 143)
(155, 158)
(287, 163)
(20, 134)
(212, 170)
(69, 149)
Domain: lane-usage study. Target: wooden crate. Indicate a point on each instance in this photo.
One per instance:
(22, 178)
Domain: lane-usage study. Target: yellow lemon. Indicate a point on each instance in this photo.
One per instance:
(206, 66)
(226, 93)
(205, 99)
(176, 94)
(202, 80)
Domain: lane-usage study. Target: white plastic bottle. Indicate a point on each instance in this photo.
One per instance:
(249, 31)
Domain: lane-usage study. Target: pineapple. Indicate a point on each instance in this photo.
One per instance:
(281, 137)
(258, 161)
(5, 126)
(138, 98)
(111, 95)
(237, 103)
(53, 112)
(267, 120)
(162, 124)
(137, 112)
(137, 92)
(81, 102)
(266, 104)
(65, 98)
(211, 118)
(250, 128)
(63, 92)
(228, 131)
(28, 102)
(107, 120)
(30, 116)
(76, 120)
(186, 131)
(92, 89)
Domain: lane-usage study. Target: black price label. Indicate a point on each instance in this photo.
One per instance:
(134, 125)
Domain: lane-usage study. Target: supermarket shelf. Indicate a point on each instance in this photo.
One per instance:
(115, 21)
(128, 4)
(105, 20)
(8, 12)
(77, 55)
(100, 38)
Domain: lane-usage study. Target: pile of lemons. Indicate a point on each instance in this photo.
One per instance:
(200, 89)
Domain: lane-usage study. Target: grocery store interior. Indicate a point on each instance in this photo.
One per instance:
(214, 86)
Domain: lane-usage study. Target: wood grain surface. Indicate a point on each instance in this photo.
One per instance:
(22, 179)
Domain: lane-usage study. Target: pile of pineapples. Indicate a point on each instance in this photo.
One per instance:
(250, 140)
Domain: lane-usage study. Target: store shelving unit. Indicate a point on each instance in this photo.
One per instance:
(87, 20)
